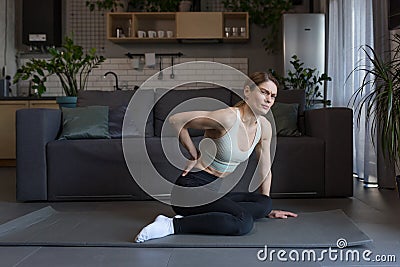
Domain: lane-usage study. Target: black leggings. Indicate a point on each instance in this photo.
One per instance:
(233, 214)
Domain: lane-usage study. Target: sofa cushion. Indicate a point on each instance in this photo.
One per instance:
(286, 116)
(118, 102)
(236, 96)
(291, 97)
(85, 122)
(305, 155)
(104, 98)
(115, 120)
(139, 114)
(167, 101)
(96, 169)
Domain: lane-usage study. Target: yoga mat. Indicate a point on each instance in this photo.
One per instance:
(116, 226)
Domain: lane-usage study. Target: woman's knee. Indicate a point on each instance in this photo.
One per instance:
(245, 223)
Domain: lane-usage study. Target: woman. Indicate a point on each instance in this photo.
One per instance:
(236, 132)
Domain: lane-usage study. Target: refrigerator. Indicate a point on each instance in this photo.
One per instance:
(304, 36)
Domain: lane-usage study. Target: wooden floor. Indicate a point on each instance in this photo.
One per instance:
(376, 212)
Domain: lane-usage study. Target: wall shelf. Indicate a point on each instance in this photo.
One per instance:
(183, 25)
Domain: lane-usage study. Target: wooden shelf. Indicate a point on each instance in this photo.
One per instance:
(184, 26)
(238, 20)
(199, 25)
(143, 40)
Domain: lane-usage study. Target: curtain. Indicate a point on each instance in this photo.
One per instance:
(386, 170)
(350, 27)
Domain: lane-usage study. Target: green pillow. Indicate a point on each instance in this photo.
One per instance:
(286, 116)
(85, 123)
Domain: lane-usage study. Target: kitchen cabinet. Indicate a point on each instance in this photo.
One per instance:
(199, 25)
(8, 109)
(177, 26)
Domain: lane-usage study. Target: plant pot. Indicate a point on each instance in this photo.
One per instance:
(398, 184)
(67, 101)
(184, 6)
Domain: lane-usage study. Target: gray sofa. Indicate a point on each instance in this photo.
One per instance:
(316, 164)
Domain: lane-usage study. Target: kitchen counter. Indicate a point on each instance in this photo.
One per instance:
(8, 109)
(25, 98)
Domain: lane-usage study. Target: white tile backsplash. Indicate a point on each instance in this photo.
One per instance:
(129, 77)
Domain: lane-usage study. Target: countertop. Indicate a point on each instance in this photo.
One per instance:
(14, 98)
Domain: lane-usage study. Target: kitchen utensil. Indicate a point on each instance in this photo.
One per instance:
(172, 76)
(160, 74)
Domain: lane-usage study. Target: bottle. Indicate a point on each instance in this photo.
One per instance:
(119, 32)
(130, 28)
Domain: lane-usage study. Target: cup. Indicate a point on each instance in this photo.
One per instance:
(141, 34)
(170, 34)
(160, 34)
(227, 31)
(243, 31)
(151, 34)
(235, 31)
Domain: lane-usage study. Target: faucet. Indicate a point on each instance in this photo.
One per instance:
(116, 79)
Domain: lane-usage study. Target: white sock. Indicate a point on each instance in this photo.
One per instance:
(178, 216)
(162, 226)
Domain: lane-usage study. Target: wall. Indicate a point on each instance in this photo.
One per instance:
(7, 37)
(253, 50)
(128, 76)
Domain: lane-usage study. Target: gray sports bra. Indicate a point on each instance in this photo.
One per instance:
(223, 154)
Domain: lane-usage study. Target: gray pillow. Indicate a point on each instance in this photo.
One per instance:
(118, 102)
(286, 117)
(85, 123)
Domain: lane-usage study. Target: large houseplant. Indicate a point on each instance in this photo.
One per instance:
(379, 97)
(134, 5)
(162, 5)
(305, 78)
(106, 5)
(70, 64)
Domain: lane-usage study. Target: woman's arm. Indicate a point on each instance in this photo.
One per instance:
(213, 121)
(264, 156)
(265, 165)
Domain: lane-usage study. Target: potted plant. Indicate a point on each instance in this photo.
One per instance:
(136, 5)
(162, 5)
(264, 13)
(106, 5)
(307, 79)
(381, 104)
(70, 64)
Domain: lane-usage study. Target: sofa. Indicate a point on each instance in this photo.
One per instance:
(314, 161)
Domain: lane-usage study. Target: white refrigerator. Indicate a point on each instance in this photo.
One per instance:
(304, 36)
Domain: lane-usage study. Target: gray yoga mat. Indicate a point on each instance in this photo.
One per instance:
(114, 226)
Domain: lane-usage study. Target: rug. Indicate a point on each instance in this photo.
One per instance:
(115, 225)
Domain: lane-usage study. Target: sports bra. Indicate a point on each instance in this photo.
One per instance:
(226, 149)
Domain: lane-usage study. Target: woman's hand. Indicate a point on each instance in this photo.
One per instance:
(189, 165)
(281, 214)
